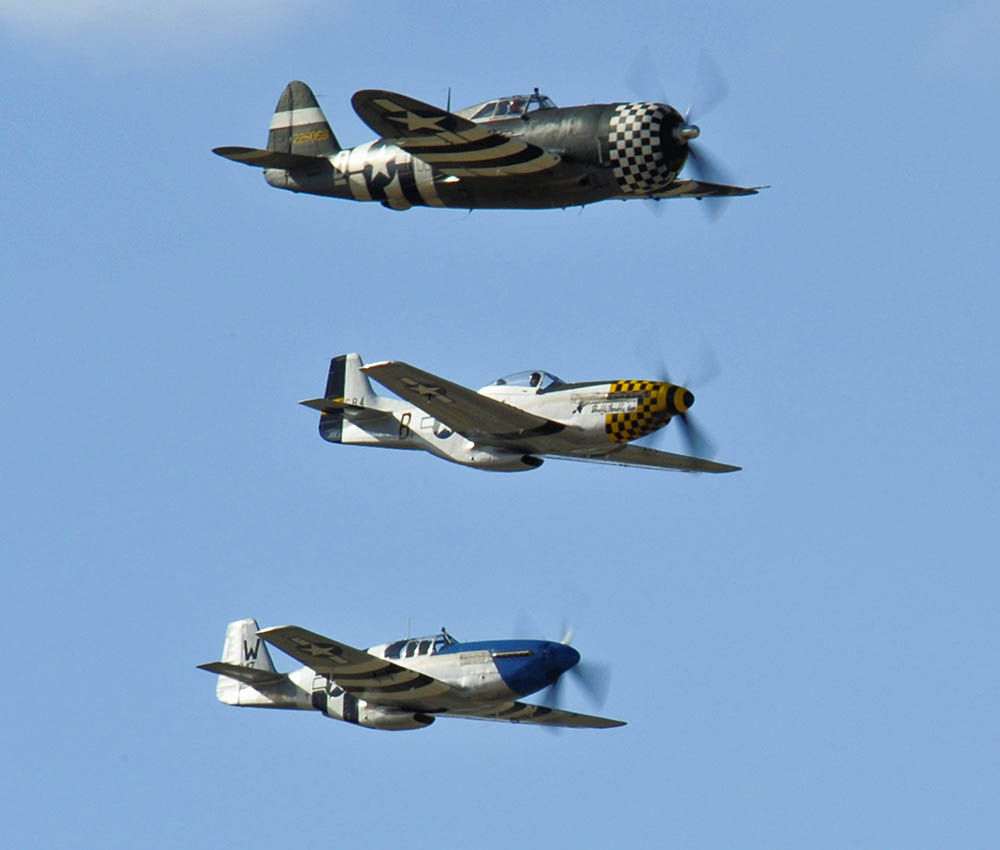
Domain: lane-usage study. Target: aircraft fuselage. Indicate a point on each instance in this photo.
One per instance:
(596, 163)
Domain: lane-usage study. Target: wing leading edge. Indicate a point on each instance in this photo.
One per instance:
(448, 142)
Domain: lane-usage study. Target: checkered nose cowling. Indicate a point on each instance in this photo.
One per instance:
(641, 147)
(652, 403)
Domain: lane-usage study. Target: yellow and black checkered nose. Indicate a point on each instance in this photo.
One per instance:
(649, 406)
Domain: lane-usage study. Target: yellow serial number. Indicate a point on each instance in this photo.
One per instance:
(310, 136)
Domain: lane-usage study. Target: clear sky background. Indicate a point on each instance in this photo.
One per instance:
(805, 651)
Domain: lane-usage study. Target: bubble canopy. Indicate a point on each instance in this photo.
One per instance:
(506, 107)
(533, 379)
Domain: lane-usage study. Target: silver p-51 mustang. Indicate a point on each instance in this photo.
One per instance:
(510, 425)
(406, 684)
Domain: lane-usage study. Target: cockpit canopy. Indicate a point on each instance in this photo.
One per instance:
(419, 646)
(506, 107)
(536, 379)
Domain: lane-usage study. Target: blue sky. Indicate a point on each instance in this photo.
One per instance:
(804, 651)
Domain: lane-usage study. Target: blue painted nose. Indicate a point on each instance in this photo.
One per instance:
(558, 659)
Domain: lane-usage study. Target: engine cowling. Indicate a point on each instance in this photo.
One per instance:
(644, 152)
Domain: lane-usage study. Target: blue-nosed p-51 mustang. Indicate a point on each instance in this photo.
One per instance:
(510, 425)
(406, 684)
(517, 152)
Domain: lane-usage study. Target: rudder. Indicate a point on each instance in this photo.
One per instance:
(299, 125)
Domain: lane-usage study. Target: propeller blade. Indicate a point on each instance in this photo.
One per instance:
(595, 679)
(707, 170)
(697, 442)
(711, 87)
(525, 626)
(708, 367)
(653, 206)
(642, 78)
(705, 167)
(553, 694)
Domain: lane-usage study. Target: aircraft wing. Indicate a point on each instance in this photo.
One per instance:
(356, 671)
(461, 409)
(447, 141)
(701, 189)
(522, 712)
(632, 455)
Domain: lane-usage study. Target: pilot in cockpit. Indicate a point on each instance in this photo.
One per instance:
(535, 379)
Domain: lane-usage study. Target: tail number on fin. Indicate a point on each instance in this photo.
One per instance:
(310, 136)
(250, 655)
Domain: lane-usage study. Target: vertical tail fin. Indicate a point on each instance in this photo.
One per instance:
(242, 649)
(246, 674)
(347, 381)
(299, 125)
(344, 382)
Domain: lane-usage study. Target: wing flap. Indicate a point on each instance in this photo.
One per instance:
(461, 409)
(522, 712)
(641, 456)
(450, 143)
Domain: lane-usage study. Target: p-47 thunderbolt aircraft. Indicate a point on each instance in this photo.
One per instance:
(508, 426)
(402, 685)
(518, 152)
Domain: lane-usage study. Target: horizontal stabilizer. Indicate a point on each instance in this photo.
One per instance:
(330, 405)
(247, 675)
(271, 159)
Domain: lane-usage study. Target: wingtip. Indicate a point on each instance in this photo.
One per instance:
(368, 367)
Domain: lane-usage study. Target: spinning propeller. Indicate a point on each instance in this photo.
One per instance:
(696, 440)
(712, 89)
(592, 676)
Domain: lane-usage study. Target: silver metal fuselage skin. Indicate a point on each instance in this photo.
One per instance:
(583, 409)
(478, 687)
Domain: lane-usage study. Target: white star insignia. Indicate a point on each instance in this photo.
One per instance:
(426, 390)
(416, 122)
(380, 166)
